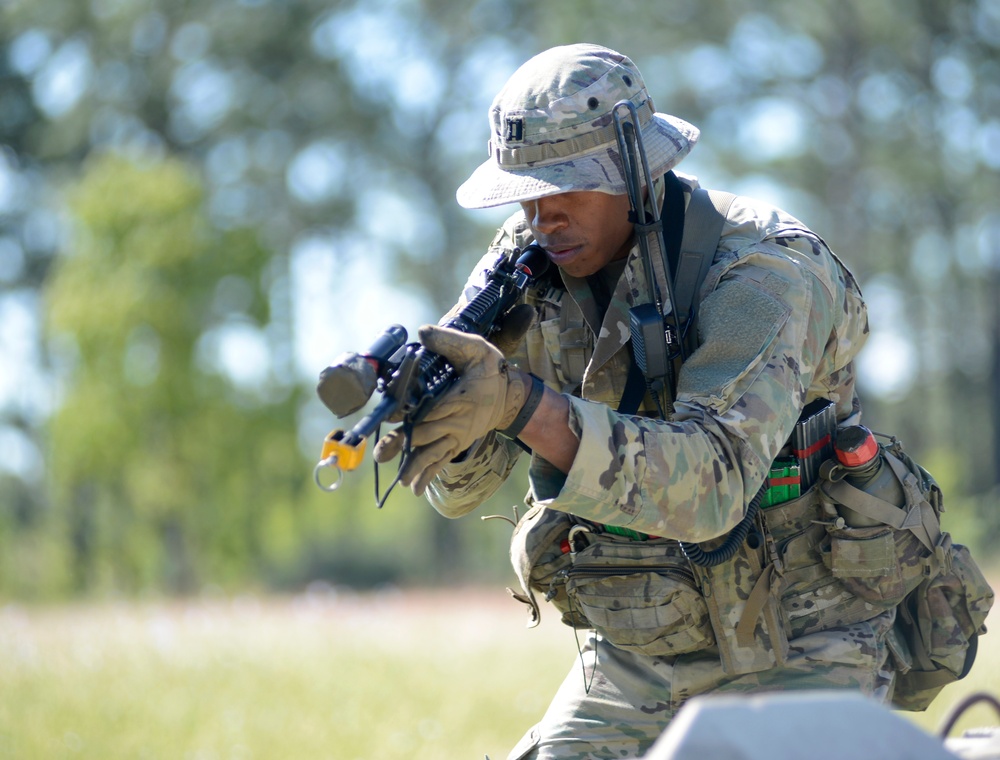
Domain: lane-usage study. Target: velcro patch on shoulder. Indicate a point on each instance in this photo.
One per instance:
(737, 322)
(763, 278)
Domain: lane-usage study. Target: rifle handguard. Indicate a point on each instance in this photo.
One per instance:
(413, 378)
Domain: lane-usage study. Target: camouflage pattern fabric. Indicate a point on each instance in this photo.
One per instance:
(614, 704)
(736, 403)
(781, 320)
(551, 129)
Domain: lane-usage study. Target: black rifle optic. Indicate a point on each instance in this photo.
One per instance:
(409, 377)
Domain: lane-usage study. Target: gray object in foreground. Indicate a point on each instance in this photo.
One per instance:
(818, 725)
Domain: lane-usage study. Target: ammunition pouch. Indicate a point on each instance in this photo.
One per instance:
(834, 574)
(539, 561)
(645, 596)
(830, 575)
(940, 623)
(640, 595)
(814, 572)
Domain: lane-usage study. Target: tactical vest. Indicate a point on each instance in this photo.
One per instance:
(803, 570)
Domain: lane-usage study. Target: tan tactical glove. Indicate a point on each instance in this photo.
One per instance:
(511, 334)
(488, 395)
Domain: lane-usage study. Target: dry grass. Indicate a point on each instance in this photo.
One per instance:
(323, 675)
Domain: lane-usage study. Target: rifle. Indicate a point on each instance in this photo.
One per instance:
(408, 377)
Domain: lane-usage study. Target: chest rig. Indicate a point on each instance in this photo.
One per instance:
(797, 567)
(721, 592)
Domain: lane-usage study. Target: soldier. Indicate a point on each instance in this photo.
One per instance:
(614, 493)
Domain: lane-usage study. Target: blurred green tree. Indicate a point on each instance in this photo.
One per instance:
(175, 434)
(340, 131)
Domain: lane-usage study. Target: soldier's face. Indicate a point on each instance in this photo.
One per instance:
(581, 231)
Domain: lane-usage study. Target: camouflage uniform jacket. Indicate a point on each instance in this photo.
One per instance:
(780, 322)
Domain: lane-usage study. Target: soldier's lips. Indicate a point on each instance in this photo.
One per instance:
(561, 254)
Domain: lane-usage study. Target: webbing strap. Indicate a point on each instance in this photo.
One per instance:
(865, 504)
(635, 390)
(754, 607)
(706, 214)
(929, 679)
(929, 531)
(919, 518)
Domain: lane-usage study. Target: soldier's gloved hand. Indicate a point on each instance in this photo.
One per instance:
(515, 326)
(488, 395)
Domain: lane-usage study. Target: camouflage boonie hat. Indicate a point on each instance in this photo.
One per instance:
(553, 132)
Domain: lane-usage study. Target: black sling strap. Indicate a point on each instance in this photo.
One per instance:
(706, 215)
(635, 389)
(691, 240)
(673, 216)
(635, 383)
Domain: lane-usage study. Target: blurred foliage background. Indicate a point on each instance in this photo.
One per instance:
(202, 204)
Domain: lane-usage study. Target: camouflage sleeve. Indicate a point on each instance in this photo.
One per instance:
(465, 484)
(764, 330)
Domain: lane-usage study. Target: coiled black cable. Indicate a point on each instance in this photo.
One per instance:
(733, 541)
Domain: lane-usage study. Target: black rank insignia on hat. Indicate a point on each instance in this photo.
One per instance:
(515, 129)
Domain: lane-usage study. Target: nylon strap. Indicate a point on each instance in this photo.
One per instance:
(675, 222)
(530, 405)
(865, 504)
(919, 519)
(635, 389)
(929, 531)
(754, 607)
(706, 215)
(929, 679)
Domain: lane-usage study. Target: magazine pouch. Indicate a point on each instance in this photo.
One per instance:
(539, 553)
(902, 559)
(640, 595)
(940, 622)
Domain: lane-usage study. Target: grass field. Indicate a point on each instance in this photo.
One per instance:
(418, 675)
